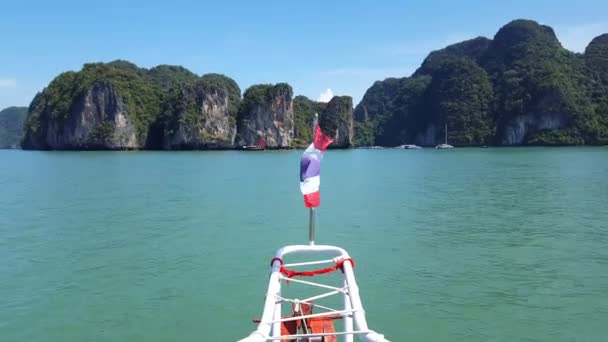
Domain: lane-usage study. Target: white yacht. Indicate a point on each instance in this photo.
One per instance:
(445, 145)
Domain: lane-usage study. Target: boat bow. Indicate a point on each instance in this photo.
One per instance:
(272, 326)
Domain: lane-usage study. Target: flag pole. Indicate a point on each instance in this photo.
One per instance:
(311, 227)
(311, 216)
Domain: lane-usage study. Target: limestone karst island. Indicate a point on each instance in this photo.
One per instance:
(519, 88)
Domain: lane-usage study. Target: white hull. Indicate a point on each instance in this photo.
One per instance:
(444, 146)
(409, 147)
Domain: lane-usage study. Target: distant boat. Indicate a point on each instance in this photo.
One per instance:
(259, 147)
(445, 145)
(369, 147)
(409, 147)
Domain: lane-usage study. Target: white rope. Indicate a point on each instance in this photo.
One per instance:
(339, 289)
(325, 308)
(314, 298)
(330, 261)
(299, 301)
(324, 295)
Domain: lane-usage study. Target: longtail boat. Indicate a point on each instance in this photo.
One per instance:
(259, 147)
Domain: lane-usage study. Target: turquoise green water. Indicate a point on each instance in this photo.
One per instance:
(463, 245)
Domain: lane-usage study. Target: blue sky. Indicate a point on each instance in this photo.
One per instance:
(343, 46)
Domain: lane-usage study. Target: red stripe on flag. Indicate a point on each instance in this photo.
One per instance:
(321, 141)
(312, 199)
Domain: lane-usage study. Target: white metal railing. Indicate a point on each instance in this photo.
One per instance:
(269, 328)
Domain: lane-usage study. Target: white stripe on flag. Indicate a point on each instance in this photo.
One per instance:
(310, 185)
(311, 149)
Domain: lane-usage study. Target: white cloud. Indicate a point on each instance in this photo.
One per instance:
(8, 83)
(326, 95)
(577, 37)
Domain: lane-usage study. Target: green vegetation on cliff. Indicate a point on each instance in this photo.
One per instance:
(519, 88)
(472, 49)
(211, 82)
(522, 87)
(141, 95)
(389, 113)
(535, 77)
(11, 126)
(334, 116)
(185, 103)
(304, 110)
(460, 95)
(188, 97)
(118, 105)
(261, 94)
(151, 99)
(169, 76)
(596, 63)
(336, 121)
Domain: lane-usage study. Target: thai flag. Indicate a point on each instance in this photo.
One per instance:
(310, 168)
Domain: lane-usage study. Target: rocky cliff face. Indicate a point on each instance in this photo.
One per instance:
(267, 112)
(339, 111)
(522, 87)
(304, 110)
(519, 130)
(102, 106)
(522, 128)
(210, 126)
(96, 120)
(429, 137)
(202, 115)
(596, 60)
(119, 106)
(11, 126)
